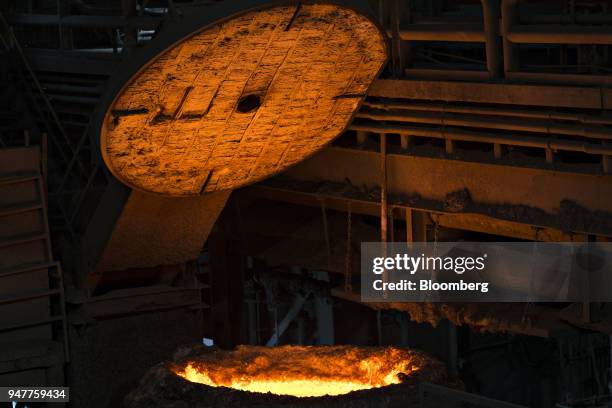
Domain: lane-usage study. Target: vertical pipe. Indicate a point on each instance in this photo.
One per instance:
(490, 11)
(383, 202)
(392, 224)
(509, 15)
(407, 45)
(383, 187)
(409, 231)
(398, 66)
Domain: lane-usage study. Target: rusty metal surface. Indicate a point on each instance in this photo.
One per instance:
(182, 126)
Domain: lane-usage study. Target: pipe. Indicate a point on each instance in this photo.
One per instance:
(398, 64)
(443, 119)
(564, 79)
(478, 137)
(490, 10)
(566, 19)
(442, 74)
(449, 19)
(509, 14)
(523, 113)
(442, 32)
(383, 188)
(383, 204)
(559, 35)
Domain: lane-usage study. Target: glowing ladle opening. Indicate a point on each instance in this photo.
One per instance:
(302, 371)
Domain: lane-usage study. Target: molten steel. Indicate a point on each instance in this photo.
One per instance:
(303, 371)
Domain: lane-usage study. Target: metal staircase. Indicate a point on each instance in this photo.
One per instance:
(33, 330)
(33, 327)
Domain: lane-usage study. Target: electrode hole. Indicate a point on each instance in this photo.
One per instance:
(248, 103)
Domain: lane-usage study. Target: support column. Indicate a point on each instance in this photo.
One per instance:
(509, 19)
(490, 10)
(383, 187)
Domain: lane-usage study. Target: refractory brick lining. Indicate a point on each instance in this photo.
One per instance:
(241, 100)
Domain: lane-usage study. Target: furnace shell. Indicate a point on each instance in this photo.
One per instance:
(161, 387)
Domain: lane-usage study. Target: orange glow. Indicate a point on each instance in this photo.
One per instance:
(302, 371)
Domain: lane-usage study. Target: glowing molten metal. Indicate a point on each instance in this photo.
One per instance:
(303, 371)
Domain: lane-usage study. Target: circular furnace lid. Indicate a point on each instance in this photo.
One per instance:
(242, 99)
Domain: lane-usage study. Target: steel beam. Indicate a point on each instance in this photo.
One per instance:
(433, 179)
(507, 94)
(559, 34)
(442, 32)
(450, 134)
(143, 22)
(419, 216)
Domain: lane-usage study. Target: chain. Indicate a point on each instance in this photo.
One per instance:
(434, 274)
(435, 233)
(326, 234)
